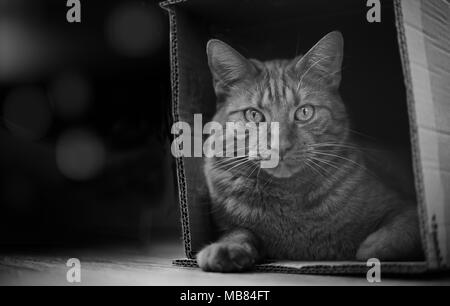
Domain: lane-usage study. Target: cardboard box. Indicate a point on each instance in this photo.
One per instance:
(405, 58)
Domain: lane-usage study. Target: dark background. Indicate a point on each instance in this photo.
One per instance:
(84, 152)
(84, 107)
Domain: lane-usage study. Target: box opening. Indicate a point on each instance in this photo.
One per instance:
(373, 85)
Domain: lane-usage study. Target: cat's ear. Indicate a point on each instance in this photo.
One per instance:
(323, 61)
(227, 65)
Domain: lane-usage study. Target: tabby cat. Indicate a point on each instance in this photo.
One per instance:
(321, 202)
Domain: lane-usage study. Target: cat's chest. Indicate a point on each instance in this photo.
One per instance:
(288, 233)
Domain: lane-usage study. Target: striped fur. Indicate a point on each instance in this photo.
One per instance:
(321, 202)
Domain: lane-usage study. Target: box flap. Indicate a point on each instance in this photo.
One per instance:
(424, 32)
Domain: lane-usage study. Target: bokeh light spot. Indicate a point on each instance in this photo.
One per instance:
(80, 155)
(135, 30)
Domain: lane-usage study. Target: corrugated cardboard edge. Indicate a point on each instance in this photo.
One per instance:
(174, 77)
(328, 268)
(418, 175)
(168, 3)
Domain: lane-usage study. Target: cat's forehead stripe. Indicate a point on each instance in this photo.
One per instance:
(290, 97)
(258, 97)
(280, 87)
(265, 98)
(272, 87)
(277, 86)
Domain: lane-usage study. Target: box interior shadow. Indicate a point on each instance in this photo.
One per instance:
(372, 85)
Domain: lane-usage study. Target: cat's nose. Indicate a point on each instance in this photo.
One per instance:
(284, 146)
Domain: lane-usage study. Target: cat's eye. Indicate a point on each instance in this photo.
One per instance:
(304, 113)
(253, 115)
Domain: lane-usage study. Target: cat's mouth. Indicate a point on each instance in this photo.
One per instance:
(284, 169)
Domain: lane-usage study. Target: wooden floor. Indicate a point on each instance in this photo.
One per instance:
(152, 266)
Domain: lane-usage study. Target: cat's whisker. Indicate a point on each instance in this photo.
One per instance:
(340, 145)
(320, 152)
(360, 134)
(228, 157)
(267, 183)
(224, 166)
(254, 168)
(307, 162)
(334, 149)
(226, 160)
(346, 159)
(226, 188)
(326, 162)
(318, 165)
(244, 167)
(333, 144)
(239, 164)
(230, 148)
(257, 175)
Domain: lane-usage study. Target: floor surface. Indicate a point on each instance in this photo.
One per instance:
(152, 266)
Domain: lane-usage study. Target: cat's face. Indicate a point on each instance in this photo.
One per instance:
(300, 94)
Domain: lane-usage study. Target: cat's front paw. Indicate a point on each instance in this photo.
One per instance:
(375, 246)
(226, 257)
